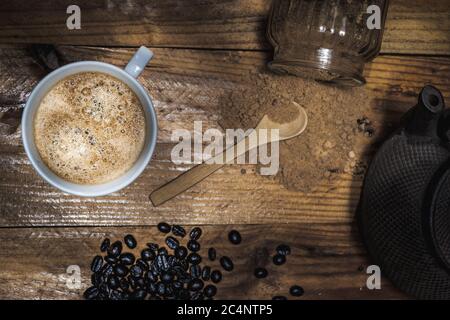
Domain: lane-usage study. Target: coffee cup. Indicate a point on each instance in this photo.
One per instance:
(128, 76)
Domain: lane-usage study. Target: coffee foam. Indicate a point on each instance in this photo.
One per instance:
(90, 128)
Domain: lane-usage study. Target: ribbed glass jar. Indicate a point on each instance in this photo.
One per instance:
(326, 40)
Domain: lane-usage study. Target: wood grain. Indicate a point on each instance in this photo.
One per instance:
(413, 27)
(183, 84)
(418, 27)
(327, 260)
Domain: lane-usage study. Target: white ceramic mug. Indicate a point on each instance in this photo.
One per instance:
(134, 67)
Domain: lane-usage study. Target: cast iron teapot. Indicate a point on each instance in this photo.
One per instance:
(404, 209)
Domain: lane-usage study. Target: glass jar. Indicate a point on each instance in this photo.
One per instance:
(327, 40)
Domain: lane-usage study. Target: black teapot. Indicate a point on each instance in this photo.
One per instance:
(404, 209)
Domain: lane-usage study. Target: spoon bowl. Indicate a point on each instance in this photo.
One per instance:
(289, 129)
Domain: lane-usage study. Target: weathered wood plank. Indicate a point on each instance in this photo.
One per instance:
(418, 27)
(413, 27)
(327, 260)
(28, 200)
(183, 83)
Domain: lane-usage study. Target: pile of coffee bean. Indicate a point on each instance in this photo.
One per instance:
(175, 272)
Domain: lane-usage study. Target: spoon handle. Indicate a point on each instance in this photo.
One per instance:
(196, 174)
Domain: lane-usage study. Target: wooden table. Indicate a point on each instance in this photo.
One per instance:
(203, 48)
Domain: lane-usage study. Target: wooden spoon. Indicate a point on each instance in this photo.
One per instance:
(196, 174)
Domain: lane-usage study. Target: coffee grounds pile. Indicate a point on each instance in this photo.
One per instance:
(327, 147)
(166, 273)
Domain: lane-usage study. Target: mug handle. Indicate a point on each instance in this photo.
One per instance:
(137, 64)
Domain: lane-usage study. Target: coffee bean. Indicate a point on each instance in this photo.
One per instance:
(111, 260)
(113, 282)
(105, 245)
(155, 267)
(152, 287)
(125, 296)
(139, 295)
(167, 277)
(103, 291)
(153, 246)
(141, 263)
(96, 279)
(212, 254)
(279, 259)
(284, 250)
(296, 291)
(127, 258)
(162, 263)
(206, 273)
(226, 263)
(195, 285)
(195, 233)
(136, 271)
(181, 252)
(197, 296)
(196, 271)
(172, 260)
(147, 255)
(161, 288)
(130, 241)
(163, 251)
(216, 276)
(194, 258)
(183, 294)
(177, 285)
(260, 273)
(178, 231)
(132, 282)
(234, 237)
(140, 282)
(116, 295)
(120, 270)
(193, 245)
(91, 293)
(185, 278)
(115, 249)
(136, 283)
(124, 285)
(178, 269)
(106, 270)
(164, 227)
(96, 264)
(151, 277)
(172, 243)
(279, 298)
(184, 264)
(169, 292)
(210, 290)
